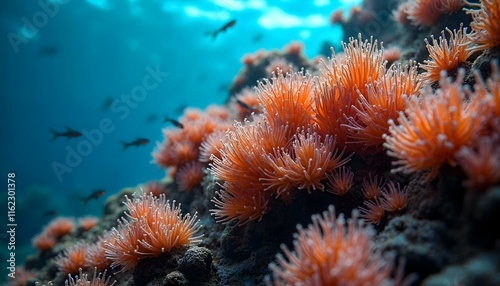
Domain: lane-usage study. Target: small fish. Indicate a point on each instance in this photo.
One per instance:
(257, 37)
(244, 105)
(137, 142)
(49, 213)
(151, 118)
(106, 104)
(49, 51)
(174, 122)
(222, 29)
(93, 196)
(69, 133)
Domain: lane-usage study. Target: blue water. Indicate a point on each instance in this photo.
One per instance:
(85, 52)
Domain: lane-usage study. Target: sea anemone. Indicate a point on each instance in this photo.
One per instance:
(438, 125)
(446, 55)
(341, 181)
(391, 54)
(190, 175)
(394, 198)
(211, 146)
(425, 13)
(279, 65)
(73, 258)
(88, 222)
(383, 100)
(154, 226)
(485, 24)
(96, 253)
(482, 166)
(373, 213)
(83, 280)
(362, 64)
(44, 242)
(337, 17)
(314, 158)
(242, 167)
(59, 227)
(372, 187)
(332, 251)
(287, 101)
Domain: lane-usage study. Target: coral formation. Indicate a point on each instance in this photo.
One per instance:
(299, 135)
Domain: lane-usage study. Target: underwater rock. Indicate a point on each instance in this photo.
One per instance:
(149, 269)
(424, 244)
(482, 270)
(196, 262)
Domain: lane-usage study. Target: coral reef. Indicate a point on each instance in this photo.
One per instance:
(405, 154)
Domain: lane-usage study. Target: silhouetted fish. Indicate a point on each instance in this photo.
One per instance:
(49, 51)
(49, 213)
(69, 133)
(94, 195)
(137, 142)
(174, 122)
(106, 105)
(222, 29)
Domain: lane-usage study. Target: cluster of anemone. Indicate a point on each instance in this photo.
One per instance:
(262, 64)
(333, 251)
(485, 24)
(185, 146)
(446, 55)
(426, 13)
(437, 126)
(381, 199)
(306, 126)
(153, 226)
(52, 233)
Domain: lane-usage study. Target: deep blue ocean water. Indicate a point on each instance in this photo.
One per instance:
(62, 60)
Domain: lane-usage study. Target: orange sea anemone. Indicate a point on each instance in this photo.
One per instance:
(341, 181)
(154, 226)
(211, 146)
(394, 198)
(391, 54)
(425, 13)
(383, 100)
(447, 55)
(88, 222)
(485, 24)
(438, 125)
(190, 175)
(313, 160)
(337, 17)
(372, 187)
(245, 102)
(44, 242)
(361, 64)
(287, 101)
(373, 213)
(279, 65)
(332, 251)
(73, 258)
(294, 48)
(333, 103)
(482, 166)
(242, 167)
(96, 254)
(59, 227)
